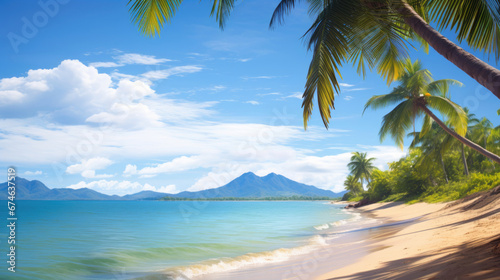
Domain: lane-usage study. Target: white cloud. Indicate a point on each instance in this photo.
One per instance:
(121, 187)
(176, 165)
(244, 59)
(348, 97)
(73, 93)
(259, 77)
(253, 102)
(355, 89)
(9, 97)
(164, 74)
(105, 64)
(270, 93)
(88, 167)
(130, 169)
(345, 85)
(131, 58)
(295, 95)
(31, 173)
(135, 58)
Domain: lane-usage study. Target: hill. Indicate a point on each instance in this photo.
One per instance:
(250, 185)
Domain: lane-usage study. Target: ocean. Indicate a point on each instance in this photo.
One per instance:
(169, 239)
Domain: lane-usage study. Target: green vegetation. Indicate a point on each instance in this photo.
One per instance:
(278, 198)
(409, 180)
(361, 167)
(422, 177)
(439, 166)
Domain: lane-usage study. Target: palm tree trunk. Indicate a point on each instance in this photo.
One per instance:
(479, 70)
(463, 140)
(444, 169)
(464, 160)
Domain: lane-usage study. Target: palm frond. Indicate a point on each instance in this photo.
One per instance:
(417, 79)
(379, 42)
(477, 22)
(329, 38)
(222, 9)
(379, 101)
(397, 122)
(281, 10)
(150, 15)
(426, 125)
(454, 113)
(441, 87)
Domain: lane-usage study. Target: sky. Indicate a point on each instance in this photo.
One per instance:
(86, 100)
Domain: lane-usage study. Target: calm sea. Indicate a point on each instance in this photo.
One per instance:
(162, 239)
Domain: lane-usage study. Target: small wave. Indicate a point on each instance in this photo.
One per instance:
(226, 264)
(356, 217)
(322, 227)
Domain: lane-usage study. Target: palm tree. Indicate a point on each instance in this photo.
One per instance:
(352, 185)
(433, 144)
(361, 167)
(471, 120)
(416, 91)
(481, 131)
(371, 33)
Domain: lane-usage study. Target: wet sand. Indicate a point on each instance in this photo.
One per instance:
(346, 245)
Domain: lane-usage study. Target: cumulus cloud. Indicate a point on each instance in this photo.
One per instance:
(176, 165)
(253, 102)
(88, 167)
(73, 93)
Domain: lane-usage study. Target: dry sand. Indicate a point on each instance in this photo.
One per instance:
(457, 240)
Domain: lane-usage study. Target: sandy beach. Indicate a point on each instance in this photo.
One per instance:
(455, 240)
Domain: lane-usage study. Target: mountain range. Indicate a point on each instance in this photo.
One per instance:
(247, 185)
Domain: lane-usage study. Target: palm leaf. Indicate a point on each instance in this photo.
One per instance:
(379, 101)
(454, 113)
(150, 15)
(426, 125)
(281, 10)
(477, 22)
(441, 87)
(329, 38)
(397, 122)
(222, 9)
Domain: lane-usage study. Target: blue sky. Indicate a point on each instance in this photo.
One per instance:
(87, 101)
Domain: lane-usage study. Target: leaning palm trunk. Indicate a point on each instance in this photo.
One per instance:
(480, 71)
(464, 160)
(463, 140)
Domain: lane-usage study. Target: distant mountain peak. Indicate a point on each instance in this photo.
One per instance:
(249, 185)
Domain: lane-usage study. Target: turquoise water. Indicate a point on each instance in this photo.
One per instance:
(144, 239)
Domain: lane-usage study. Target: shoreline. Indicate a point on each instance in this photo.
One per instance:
(454, 240)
